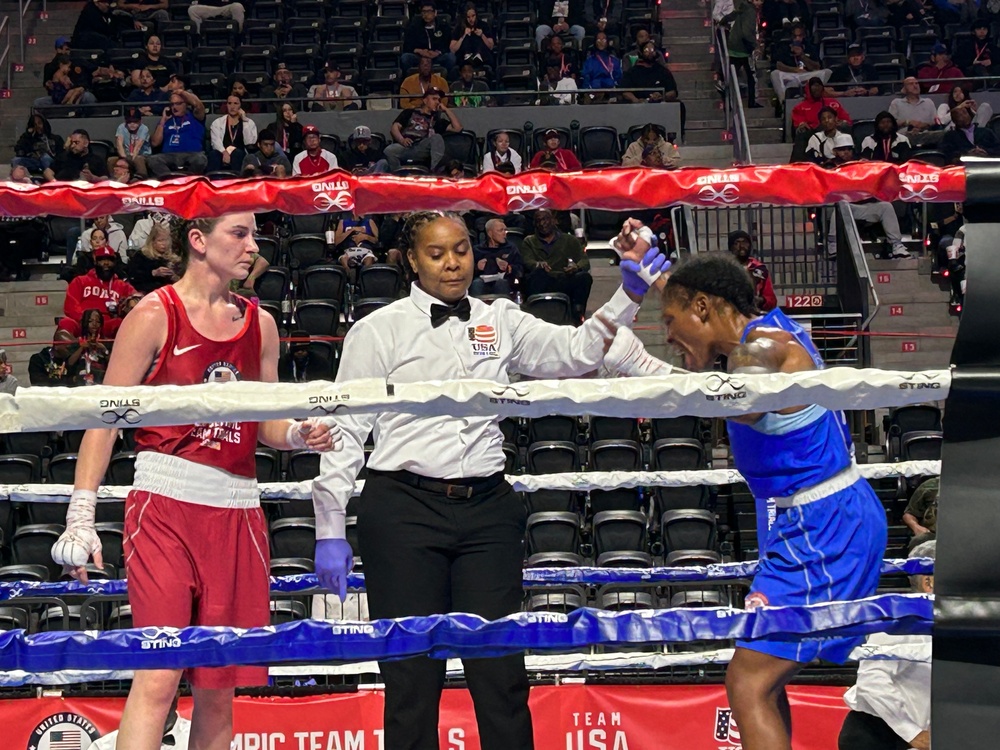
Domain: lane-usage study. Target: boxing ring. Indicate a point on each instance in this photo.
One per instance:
(963, 618)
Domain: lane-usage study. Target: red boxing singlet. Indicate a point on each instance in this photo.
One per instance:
(188, 358)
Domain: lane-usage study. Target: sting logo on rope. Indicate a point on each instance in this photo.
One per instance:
(930, 382)
(120, 410)
(332, 196)
(724, 388)
(159, 638)
(319, 403)
(63, 731)
(719, 196)
(526, 197)
(503, 395)
(908, 192)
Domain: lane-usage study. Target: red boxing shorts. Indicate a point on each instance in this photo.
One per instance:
(190, 564)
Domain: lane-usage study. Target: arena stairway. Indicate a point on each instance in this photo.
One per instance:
(28, 313)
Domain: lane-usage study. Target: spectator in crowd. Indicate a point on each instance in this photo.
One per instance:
(427, 38)
(967, 138)
(655, 81)
(78, 78)
(232, 136)
(180, 134)
(147, 94)
(37, 147)
(288, 130)
(853, 78)
(362, 155)
(453, 169)
(282, 87)
(650, 136)
(99, 288)
(886, 143)
(468, 91)
(795, 64)
(104, 232)
(982, 113)
(741, 246)
(152, 59)
(819, 149)
(76, 161)
(915, 115)
(601, 23)
(805, 116)
(8, 383)
(472, 41)
(866, 13)
(132, 142)
(498, 264)
(178, 82)
(48, 366)
(558, 89)
(743, 43)
(156, 263)
(146, 10)
(417, 133)
(123, 171)
(211, 9)
(940, 67)
(302, 365)
(268, 159)
(566, 19)
(95, 28)
(974, 55)
(88, 360)
(601, 70)
(556, 53)
(18, 235)
(565, 159)
(890, 703)
(921, 512)
(62, 89)
(501, 153)
(555, 262)
(780, 14)
(144, 227)
(414, 87)
(355, 241)
(332, 95)
(314, 159)
(634, 53)
(872, 211)
(905, 12)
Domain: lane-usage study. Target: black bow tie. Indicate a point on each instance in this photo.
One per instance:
(440, 313)
(168, 739)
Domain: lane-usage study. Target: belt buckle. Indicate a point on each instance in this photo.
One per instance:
(457, 492)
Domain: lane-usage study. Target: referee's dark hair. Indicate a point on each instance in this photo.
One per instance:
(717, 274)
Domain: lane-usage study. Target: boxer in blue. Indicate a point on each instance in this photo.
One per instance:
(829, 532)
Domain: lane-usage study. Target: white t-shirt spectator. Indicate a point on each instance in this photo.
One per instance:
(512, 156)
(305, 164)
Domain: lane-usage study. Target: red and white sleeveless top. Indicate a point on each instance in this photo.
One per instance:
(188, 358)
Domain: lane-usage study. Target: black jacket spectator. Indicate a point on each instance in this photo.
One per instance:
(95, 28)
(69, 164)
(300, 365)
(885, 144)
(657, 83)
(975, 55)
(471, 34)
(904, 12)
(360, 160)
(37, 140)
(48, 367)
(957, 143)
(853, 78)
(418, 36)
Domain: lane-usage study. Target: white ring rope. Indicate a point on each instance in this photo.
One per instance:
(582, 481)
(703, 394)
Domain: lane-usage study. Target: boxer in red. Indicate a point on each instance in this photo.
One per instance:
(196, 549)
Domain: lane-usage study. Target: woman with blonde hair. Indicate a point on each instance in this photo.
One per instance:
(156, 263)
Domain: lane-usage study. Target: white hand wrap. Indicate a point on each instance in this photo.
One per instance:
(294, 437)
(644, 233)
(628, 357)
(79, 542)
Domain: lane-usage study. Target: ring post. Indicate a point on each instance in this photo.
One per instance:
(966, 674)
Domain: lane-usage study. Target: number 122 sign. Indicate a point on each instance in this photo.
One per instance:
(803, 300)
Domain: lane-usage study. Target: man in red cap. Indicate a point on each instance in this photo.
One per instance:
(100, 288)
(315, 159)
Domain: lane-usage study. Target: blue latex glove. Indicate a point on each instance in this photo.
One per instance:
(334, 560)
(636, 277)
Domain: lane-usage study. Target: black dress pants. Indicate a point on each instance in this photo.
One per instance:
(863, 731)
(424, 554)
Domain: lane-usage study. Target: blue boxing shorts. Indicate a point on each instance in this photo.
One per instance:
(827, 550)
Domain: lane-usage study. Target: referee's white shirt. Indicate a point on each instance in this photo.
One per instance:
(398, 343)
(898, 692)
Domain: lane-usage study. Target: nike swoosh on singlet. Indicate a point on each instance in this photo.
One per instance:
(178, 352)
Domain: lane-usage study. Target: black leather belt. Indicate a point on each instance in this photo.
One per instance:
(454, 489)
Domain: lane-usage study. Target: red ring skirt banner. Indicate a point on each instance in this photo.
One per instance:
(619, 189)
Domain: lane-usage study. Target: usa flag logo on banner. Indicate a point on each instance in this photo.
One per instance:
(726, 729)
(64, 731)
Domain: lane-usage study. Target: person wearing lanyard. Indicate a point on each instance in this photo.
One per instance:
(232, 134)
(439, 528)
